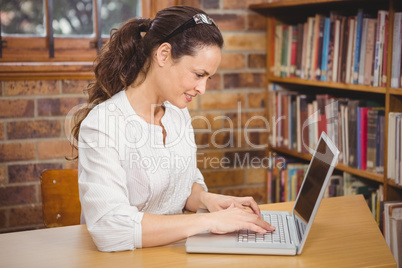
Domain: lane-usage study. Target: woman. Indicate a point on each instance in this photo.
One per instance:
(137, 156)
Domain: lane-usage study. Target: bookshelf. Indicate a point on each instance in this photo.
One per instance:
(297, 11)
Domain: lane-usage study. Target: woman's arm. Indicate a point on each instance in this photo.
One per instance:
(199, 198)
(164, 229)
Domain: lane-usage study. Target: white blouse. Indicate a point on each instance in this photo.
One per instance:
(125, 170)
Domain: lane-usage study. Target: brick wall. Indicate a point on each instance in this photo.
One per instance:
(228, 122)
(32, 138)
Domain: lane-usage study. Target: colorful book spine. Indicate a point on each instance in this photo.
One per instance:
(293, 49)
(359, 27)
(325, 46)
(319, 54)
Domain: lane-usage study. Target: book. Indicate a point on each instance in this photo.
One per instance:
(322, 102)
(383, 77)
(315, 45)
(379, 45)
(289, 51)
(349, 55)
(372, 147)
(358, 39)
(396, 50)
(335, 186)
(380, 142)
(293, 126)
(293, 51)
(278, 49)
(333, 71)
(362, 134)
(396, 234)
(303, 101)
(272, 119)
(304, 51)
(393, 228)
(272, 41)
(391, 145)
(353, 51)
(319, 51)
(309, 47)
(284, 50)
(325, 49)
(398, 157)
(363, 51)
(299, 49)
(345, 131)
(370, 46)
(352, 132)
(343, 49)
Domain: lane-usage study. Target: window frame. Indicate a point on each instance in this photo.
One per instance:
(25, 57)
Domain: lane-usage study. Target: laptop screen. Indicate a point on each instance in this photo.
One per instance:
(314, 179)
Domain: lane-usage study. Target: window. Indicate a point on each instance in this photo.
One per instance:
(26, 38)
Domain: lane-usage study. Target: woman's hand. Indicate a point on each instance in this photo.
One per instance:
(235, 218)
(216, 202)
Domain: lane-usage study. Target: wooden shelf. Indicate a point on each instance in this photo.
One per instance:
(358, 172)
(44, 70)
(298, 3)
(395, 91)
(295, 7)
(335, 85)
(393, 184)
(286, 151)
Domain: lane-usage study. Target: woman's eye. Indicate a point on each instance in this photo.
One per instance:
(199, 75)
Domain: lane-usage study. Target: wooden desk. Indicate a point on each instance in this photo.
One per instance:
(344, 234)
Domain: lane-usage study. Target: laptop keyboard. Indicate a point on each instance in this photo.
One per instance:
(277, 236)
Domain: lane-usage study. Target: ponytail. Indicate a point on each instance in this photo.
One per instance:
(117, 66)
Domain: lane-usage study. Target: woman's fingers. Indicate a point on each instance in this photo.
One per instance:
(256, 221)
(250, 202)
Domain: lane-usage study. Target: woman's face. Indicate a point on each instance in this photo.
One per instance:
(187, 77)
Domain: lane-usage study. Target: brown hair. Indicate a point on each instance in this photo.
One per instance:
(128, 52)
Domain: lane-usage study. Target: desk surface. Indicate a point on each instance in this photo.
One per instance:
(344, 234)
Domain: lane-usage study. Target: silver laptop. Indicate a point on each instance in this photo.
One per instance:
(292, 230)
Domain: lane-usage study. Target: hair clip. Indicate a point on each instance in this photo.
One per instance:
(196, 19)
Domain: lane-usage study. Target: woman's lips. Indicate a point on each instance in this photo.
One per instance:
(188, 97)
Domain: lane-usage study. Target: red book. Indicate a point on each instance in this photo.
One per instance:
(293, 51)
(322, 102)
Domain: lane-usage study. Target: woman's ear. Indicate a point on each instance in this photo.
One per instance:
(163, 54)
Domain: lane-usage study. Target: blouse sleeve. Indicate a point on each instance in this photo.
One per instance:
(113, 223)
